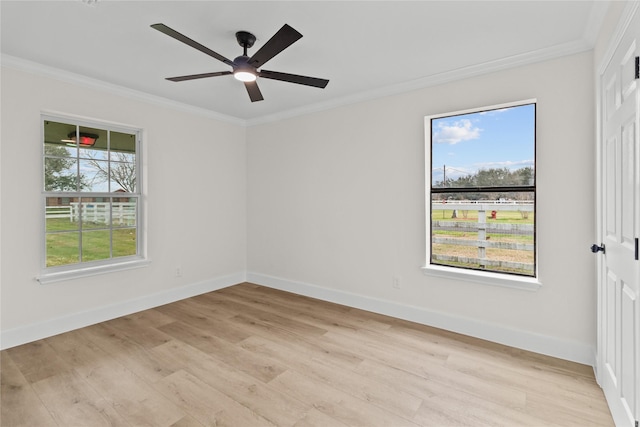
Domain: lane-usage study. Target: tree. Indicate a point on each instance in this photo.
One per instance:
(123, 171)
(494, 177)
(526, 175)
(57, 175)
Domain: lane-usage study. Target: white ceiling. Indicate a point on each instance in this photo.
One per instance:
(366, 49)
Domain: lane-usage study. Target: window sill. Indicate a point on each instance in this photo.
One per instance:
(87, 271)
(485, 278)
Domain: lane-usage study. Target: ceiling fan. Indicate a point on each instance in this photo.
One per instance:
(245, 68)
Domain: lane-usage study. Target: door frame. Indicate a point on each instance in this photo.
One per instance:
(627, 15)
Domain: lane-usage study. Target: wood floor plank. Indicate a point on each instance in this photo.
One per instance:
(430, 368)
(76, 349)
(260, 367)
(283, 321)
(19, 404)
(302, 310)
(458, 344)
(269, 402)
(568, 410)
(248, 355)
(315, 418)
(441, 382)
(206, 313)
(206, 404)
(389, 397)
(335, 403)
(37, 360)
(303, 345)
(187, 421)
(141, 329)
(313, 310)
(73, 402)
(566, 387)
(128, 352)
(133, 398)
(452, 407)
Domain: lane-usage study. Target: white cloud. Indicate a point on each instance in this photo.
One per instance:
(462, 130)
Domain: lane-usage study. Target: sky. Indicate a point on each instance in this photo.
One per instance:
(464, 144)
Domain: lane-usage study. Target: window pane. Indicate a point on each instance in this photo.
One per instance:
(492, 148)
(61, 214)
(495, 233)
(123, 147)
(124, 212)
(60, 174)
(123, 177)
(57, 137)
(60, 150)
(96, 245)
(95, 214)
(62, 249)
(94, 176)
(92, 142)
(94, 153)
(124, 242)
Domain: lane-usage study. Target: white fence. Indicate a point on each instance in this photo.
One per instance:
(482, 227)
(100, 213)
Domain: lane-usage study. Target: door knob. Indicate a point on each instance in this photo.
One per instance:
(595, 248)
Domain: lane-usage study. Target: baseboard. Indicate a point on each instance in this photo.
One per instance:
(538, 343)
(25, 334)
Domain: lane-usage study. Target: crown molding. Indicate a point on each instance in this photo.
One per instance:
(74, 78)
(514, 61)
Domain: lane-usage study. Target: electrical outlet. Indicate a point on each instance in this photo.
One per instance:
(396, 282)
(178, 271)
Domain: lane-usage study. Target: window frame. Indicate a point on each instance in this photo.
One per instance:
(111, 264)
(494, 278)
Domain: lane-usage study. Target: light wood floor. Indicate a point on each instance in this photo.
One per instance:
(253, 356)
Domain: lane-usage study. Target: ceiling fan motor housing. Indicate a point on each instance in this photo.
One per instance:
(242, 61)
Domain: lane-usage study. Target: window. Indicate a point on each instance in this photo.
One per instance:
(481, 191)
(91, 196)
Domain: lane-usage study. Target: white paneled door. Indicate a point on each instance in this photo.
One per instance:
(618, 362)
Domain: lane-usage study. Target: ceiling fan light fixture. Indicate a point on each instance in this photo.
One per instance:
(244, 76)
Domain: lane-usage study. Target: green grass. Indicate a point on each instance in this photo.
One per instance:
(63, 245)
(505, 217)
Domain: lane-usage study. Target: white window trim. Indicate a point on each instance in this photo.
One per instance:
(461, 274)
(81, 271)
(483, 277)
(92, 268)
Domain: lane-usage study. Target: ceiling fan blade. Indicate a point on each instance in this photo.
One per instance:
(254, 91)
(199, 76)
(294, 78)
(186, 40)
(281, 40)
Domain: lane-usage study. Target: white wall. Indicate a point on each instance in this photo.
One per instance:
(616, 11)
(336, 209)
(195, 171)
(331, 204)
